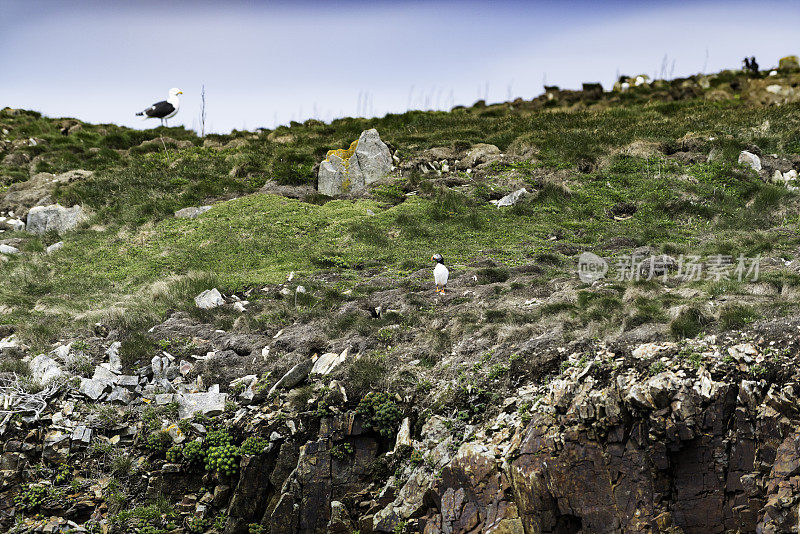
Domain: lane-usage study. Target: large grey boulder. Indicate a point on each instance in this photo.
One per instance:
(94, 389)
(55, 218)
(370, 161)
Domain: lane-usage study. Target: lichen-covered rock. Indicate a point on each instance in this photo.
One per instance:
(349, 171)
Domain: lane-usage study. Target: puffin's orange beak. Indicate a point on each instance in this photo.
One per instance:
(434, 259)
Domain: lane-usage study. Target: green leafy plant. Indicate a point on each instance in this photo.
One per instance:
(380, 412)
(216, 438)
(223, 458)
(253, 445)
(193, 452)
(30, 498)
(158, 441)
(341, 451)
(174, 454)
(197, 525)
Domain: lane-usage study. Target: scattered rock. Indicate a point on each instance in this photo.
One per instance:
(191, 212)
(209, 299)
(294, 376)
(55, 247)
(44, 369)
(94, 389)
(209, 403)
(326, 363)
(511, 198)
(8, 250)
(114, 361)
(55, 218)
(750, 159)
(479, 154)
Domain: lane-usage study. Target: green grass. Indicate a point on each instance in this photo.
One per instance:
(137, 261)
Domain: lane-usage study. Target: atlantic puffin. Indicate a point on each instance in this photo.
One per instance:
(440, 273)
(166, 109)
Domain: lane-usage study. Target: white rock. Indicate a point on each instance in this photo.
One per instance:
(55, 247)
(648, 350)
(9, 250)
(512, 198)
(104, 375)
(44, 369)
(191, 213)
(404, 434)
(750, 159)
(209, 299)
(329, 361)
(9, 342)
(120, 395)
(82, 434)
(114, 361)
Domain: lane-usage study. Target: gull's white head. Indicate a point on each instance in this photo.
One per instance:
(175, 92)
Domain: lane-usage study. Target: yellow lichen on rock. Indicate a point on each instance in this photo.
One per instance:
(344, 153)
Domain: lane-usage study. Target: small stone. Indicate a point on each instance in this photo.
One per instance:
(114, 360)
(294, 376)
(103, 374)
(184, 368)
(329, 361)
(512, 198)
(128, 381)
(191, 212)
(82, 434)
(164, 399)
(9, 250)
(120, 395)
(55, 247)
(209, 299)
(404, 435)
(750, 159)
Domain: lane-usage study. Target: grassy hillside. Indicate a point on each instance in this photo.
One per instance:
(132, 261)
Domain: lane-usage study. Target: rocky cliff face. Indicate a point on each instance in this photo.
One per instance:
(694, 437)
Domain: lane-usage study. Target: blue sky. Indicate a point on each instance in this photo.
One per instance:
(266, 63)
